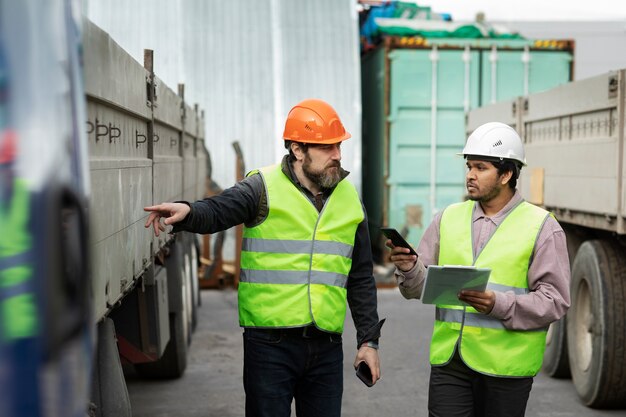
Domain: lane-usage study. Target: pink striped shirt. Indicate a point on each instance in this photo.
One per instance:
(548, 273)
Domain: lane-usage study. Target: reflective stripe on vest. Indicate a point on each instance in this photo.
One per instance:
(295, 264)
(484, 343)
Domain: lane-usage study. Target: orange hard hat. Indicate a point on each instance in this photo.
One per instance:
(8, 146)
(314, 121)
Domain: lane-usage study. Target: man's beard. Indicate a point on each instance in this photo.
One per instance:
(489, 195)
(327, 177)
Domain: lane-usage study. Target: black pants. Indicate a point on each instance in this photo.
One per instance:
(457, 391)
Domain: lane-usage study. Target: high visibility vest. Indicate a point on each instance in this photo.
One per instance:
(295, 264)
(18, 309)
(484, 344)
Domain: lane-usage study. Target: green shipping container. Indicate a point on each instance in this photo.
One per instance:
(416, 93)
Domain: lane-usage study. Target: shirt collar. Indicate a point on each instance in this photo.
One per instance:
(501, 215)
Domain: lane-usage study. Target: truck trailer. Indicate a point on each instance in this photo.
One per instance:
(574, 142)
(146, 146)
(88, 137)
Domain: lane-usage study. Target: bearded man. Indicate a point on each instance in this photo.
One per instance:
(305, 252)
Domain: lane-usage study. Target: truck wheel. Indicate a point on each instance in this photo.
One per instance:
(108, 391)
(596, 325)
(555, 358)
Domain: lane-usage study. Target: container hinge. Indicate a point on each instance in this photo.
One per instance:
(613, 86)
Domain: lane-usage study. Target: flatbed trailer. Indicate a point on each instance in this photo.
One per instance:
(574, 141)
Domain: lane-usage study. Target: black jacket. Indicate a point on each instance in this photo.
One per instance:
(246, 202)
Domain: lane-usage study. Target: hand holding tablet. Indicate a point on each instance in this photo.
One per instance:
(444, 283)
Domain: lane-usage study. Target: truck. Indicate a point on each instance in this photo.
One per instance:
(88, 137)
(145, 146)
(574, 141)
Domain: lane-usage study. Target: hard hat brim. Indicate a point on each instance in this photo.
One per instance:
(322, 142)
(489, 158)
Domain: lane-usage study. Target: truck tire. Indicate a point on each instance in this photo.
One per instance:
(198, 251)
(109, 394)
(555, 358)
(195, 284)
(596, 325)
(188, 296)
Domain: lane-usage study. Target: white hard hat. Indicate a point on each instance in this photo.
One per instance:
(495, 140)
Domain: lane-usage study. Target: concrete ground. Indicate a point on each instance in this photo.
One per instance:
(212, 387)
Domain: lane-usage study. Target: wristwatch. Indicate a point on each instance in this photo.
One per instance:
(371, 344)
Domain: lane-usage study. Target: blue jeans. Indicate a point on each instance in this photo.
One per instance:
(283, 364)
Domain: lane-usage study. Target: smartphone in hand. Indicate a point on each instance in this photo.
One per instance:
(364, 373)
(397, 239)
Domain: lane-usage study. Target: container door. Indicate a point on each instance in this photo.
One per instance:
(505, 73)
(502, 75)
(428, 95)
(549, 69)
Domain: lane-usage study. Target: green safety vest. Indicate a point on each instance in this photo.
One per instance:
(295, 264)
(18, 310)
(484, 344)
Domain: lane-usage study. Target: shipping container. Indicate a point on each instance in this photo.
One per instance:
(574, 141)
(416, 92)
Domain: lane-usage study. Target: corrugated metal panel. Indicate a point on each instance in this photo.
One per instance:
(424, 142)
(246, 63)
(144, 24)
(505, 74)
(228, 63)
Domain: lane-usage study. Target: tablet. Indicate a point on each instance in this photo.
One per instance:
(443, 283)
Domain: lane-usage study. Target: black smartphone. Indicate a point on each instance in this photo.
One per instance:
(397, 239)
(364, 373)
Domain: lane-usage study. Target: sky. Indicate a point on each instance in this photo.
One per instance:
(502, 10)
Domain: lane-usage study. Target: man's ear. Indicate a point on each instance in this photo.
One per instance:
(506, 177)
(297, 150)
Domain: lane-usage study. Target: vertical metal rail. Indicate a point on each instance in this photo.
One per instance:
(387, 138)
(277, 71)
(181, 135)
(621, 95)
(493, 58)
(148, 64)
(526, 61)
(467, 59)
(434, 57)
